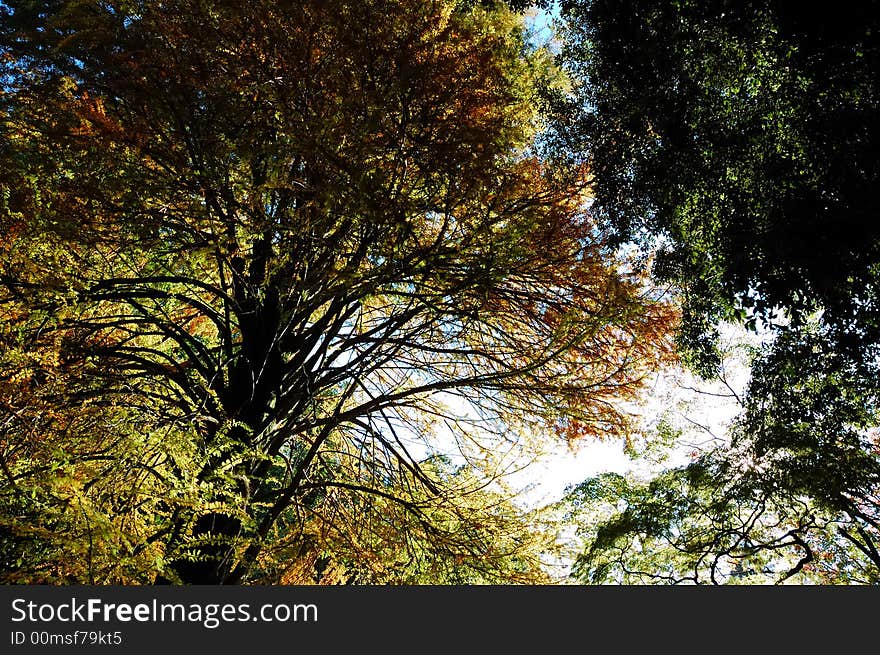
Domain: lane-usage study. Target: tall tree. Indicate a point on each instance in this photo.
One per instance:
(292, 239)
(742, 133)
(740, 140)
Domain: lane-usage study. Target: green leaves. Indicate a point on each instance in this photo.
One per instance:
(712, 126)
(739, 140)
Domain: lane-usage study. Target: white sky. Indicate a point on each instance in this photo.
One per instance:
(703, 410)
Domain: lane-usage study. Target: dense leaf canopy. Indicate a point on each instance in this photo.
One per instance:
(740, 140)
(287, 289)
(743, 133)
(261, 259)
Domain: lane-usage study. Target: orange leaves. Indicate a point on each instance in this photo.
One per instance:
(97, 123)
(95, 119)
(307, 219)
(588, 330)
(10, 230)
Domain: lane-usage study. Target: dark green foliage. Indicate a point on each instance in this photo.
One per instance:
(739, 141)
(746, 134)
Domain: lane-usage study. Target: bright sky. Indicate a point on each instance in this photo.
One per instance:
(539, 22)
(703, 410)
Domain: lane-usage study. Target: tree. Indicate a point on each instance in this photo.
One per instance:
(793, 494)
(324, 237)
(477, 537)
(739, 140)
(742, 134)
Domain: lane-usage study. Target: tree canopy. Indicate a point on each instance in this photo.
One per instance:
(260, 259)
(744, 134)
(739, 141)
(288, 289)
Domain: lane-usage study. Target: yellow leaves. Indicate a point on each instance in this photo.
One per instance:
(328, 219)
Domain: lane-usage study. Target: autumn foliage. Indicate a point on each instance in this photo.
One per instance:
(260, 262)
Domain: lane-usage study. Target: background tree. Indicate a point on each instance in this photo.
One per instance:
(739, 141)
(742, 133)
(283, 243)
